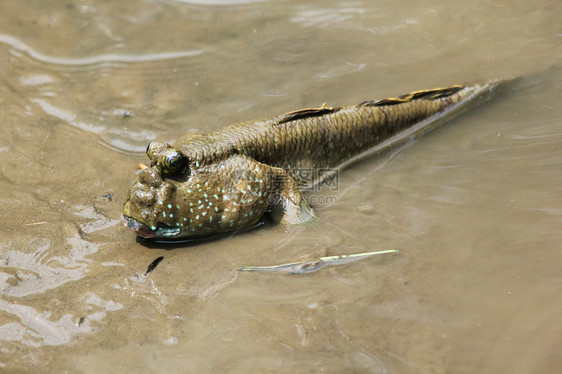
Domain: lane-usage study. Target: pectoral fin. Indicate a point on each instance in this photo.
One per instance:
(288, 205)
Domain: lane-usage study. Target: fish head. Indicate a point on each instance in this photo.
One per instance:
(179, 197)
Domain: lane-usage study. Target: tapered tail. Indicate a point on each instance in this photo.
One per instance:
(411, 115)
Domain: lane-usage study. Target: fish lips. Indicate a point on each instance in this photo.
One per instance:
(147, 232)
(139, 228)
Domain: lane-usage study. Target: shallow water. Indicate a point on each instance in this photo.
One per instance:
(474, 207)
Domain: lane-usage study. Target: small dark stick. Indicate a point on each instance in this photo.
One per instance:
(153, 265)
(108, 196)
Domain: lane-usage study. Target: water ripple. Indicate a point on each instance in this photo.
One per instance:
(99, 60)
(119, 140)
(218, 2)
(67, 116)
(346, 68)
(325, 17)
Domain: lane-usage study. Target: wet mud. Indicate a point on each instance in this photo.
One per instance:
(475, 207)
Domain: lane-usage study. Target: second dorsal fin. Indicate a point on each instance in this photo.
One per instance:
(433, 94)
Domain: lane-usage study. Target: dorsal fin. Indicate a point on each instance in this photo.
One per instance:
(305, 113)
(433, 94)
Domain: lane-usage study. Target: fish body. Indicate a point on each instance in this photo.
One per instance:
(226, 180)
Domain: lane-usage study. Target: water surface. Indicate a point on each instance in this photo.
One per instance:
(474, 207)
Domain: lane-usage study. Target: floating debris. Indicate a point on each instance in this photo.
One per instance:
(311, 266)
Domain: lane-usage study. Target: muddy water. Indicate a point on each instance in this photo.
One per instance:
(474, 207)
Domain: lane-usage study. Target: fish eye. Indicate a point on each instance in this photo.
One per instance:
(154, 149)
(171, 162)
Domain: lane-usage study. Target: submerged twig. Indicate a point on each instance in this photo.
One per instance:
(153, 265)
(311, 266)
(36, 223)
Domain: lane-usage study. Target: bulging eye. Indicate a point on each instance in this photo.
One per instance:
(154, 149)
(171, 162)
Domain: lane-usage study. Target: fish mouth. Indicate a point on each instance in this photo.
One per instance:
(146, 231)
